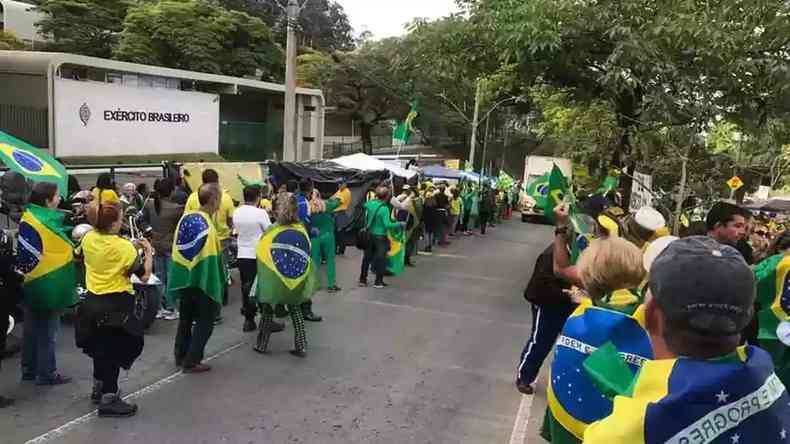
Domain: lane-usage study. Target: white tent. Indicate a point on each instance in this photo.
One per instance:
(361, 161)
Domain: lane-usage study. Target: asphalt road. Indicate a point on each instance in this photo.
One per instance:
(430, 359)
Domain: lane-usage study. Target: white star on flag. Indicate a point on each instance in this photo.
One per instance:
(736, 438)
(722, 397)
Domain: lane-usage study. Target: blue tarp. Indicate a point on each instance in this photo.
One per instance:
(440, 172)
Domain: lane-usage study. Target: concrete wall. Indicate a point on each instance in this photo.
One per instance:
(24, 90)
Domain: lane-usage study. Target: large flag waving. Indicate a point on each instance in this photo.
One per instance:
(400, 136)
(396, 256)
(197, 258)
(46, 257)
(33, 163)
(773, 295)
(286, 274)
(538, 189)
(558, 190)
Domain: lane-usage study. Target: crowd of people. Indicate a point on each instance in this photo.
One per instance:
(660, 338)
(186, 242)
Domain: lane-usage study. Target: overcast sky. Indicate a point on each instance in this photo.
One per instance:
(385, 18)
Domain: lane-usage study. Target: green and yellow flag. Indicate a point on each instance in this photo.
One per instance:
(610, 184)
(401, 134)
(396, 256)
(286, 274)
(538, 189)
(33, 163)
(773, 296)
(558, 189)
(197, 258)
(46, 257)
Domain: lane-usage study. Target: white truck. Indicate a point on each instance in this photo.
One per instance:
(535, 168)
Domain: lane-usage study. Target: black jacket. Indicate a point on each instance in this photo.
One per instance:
(546, 289)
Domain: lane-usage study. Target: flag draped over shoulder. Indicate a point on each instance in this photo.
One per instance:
(46, 257)
(286, 274)
(33, 163)
(558, 190)
(736, 399)
(197, 258)
(396, 256)
(574, 399)
(773, 295)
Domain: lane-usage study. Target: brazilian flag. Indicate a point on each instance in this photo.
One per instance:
(538, 189)
(396, 256)
(33, 163)
(46, 257)
(735, 399)
(773, 295)
(558, 190)
(610, 184)
(286, 274)
(197, 258)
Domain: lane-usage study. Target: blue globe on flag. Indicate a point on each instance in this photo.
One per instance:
(30, 248)
(27, 161)
(291, 254)
(192, 235)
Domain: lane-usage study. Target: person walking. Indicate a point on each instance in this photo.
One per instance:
(377, 221)
(162, 213)
(487, 207)
(110, 323)
(222, 218)
(303, 197)
(286, 274)
(702, 386)
(250, 223)
(46, 258)
(197, 279)
(456, 209)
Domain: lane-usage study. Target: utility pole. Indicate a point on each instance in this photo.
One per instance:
(474, 126)
(289, 114)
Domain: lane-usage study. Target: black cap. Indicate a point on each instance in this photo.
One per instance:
(705, 285)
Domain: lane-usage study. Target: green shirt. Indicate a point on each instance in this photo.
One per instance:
(325, 220)
(378, 219)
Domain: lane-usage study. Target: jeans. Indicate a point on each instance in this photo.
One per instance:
(547, 324)
(38, 346)
(376, 255)
(161, 267)
(195, 307)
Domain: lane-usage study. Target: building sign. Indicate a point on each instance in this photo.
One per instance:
(453, 164)
(101, 119)
(641, 191)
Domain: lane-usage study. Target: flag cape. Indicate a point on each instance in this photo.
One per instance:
(400, 136)
(573, 398)
(396, 256)
(286, 274)
(558, 190)
(737, 399)
(33, 163)
(46, 257)
(197, 258)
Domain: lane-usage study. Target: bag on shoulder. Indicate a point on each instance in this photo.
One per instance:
(363, 234)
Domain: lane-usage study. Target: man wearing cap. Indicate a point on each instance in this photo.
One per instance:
(702, 387)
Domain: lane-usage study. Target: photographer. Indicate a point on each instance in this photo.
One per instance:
(110, 326)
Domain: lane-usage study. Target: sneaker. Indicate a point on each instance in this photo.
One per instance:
(312, 317)
(197, 368)
(171, 316)
(525, 389)
(56, 379)
(160, 314)
(218, 320)
(112, 406)
(333, 289)
(299, 353)
(363, 284)
(380, 285)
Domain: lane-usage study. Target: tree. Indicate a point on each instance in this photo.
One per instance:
(88, 27)
(198, 35)
(9, 41)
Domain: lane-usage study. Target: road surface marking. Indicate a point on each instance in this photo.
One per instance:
(519, 435)
(65, 428)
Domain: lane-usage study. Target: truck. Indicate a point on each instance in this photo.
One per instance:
(538, 168)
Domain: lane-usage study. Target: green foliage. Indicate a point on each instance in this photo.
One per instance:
(198, 35)
(8, 41)
(88, 27)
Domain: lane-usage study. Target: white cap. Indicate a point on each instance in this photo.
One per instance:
(654, 249)
(649, 218)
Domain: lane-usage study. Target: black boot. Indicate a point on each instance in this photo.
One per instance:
(249, 325)
(112, 406)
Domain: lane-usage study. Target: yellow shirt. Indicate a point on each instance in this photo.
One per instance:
(108, 261)
(225, 212)
(455, 206)
(265, 204)
(107, 196)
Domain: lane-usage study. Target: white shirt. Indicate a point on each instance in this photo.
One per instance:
(250, 222)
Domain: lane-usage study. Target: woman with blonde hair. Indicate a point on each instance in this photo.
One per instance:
(608, 327)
